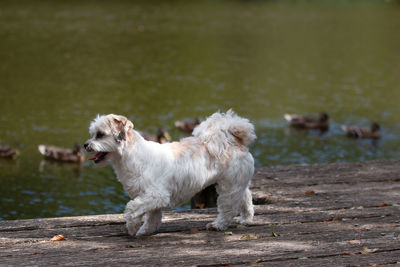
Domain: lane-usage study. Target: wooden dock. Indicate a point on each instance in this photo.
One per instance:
(306, 215)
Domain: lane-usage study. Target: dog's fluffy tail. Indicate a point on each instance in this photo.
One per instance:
(222, 130)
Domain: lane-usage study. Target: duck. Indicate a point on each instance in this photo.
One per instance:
(308, 122)
(8, 152)
(62, 154)
(188, 126)
(357, 132)
(161, 137)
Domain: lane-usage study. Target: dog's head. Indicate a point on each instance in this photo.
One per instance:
(109, 135)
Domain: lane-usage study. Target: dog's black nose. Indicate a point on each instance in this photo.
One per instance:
(85, 145)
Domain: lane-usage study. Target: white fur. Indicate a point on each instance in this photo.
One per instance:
(160, 176)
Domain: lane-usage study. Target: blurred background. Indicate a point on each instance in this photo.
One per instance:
(64, 62)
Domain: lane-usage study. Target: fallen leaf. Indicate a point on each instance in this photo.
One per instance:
(273, 234)
(366, 250)
(57, 238)
(354, 242)
(384, 205)
(347, 254)
(248, 237)
(245, 237)
(312, 192)
(335, 219)
(255, 236)
(193, 230)
(287, 211)
(228, 233)
(254, 261)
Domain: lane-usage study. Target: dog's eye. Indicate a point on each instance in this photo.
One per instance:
(99, 135)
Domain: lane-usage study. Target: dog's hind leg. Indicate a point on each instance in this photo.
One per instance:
(151, 223)
(229, 201)
(246, 208)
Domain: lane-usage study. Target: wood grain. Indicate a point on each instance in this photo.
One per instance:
(325, 215)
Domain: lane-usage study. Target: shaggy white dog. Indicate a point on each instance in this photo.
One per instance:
(161, 176)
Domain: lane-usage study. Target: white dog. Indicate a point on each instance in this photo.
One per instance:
(161, 176)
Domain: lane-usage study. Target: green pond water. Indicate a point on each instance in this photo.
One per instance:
(64, 62)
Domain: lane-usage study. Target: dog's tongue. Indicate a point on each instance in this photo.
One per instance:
(98, 155)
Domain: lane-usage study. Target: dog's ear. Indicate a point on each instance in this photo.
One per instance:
(122, 126)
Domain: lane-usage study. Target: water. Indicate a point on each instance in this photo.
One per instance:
(63, 62)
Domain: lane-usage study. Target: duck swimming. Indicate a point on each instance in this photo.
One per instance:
(62, 154)
(188, 126)
(161, 137)
(358, 132)
(308, 122)
(8, 152)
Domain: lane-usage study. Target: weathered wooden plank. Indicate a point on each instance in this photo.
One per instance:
(341, 188)
(333, 173)
(198, 248)
(332, 201)
(385, 258)
(303, 234)
(273, 213)
(175, 223)
(334, 214)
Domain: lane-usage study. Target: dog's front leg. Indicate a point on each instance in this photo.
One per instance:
(133, 221)
(135, 209)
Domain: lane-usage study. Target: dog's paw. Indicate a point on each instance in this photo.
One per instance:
(214, 226)
(143, 231)
(132, 227)
(244, 221)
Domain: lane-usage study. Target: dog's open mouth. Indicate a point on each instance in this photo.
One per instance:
(99, 157)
